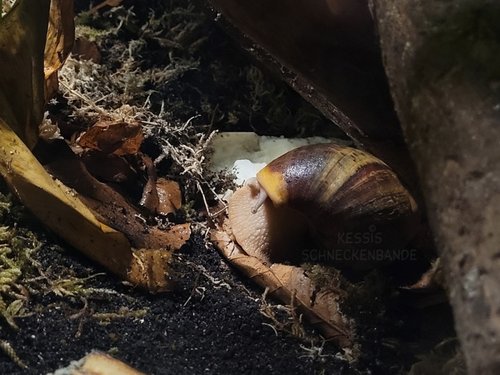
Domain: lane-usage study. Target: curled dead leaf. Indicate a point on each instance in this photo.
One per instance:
(320, 306)
(159, 195)
(114, 210)
(110, 137)
(169, 194)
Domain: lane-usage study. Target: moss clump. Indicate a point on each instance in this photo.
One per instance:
(17, 247)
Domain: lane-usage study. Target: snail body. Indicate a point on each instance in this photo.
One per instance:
(324, 190)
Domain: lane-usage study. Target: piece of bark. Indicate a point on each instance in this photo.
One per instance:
(330, 46)
(443, 63)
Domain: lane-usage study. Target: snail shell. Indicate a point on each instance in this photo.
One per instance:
(324, 189)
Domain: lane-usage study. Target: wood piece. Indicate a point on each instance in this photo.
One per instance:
(331, 50)
(443, 64)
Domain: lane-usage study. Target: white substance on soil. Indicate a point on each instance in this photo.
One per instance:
(247, 153)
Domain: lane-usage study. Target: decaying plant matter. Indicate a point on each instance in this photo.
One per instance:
(291, 285)
(57, 206)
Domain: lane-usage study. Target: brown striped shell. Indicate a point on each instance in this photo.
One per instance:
(337, 188)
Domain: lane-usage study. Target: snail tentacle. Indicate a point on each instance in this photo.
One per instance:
(262, 195)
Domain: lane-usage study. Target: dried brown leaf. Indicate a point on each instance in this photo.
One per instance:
(150, 269)
(114, 210)
(85, 49)
(119, 138)
(22, 39)
(159, 195)
(290, 283)
(169, 194)
(179, 234)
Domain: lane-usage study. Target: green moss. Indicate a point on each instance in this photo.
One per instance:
(72, 286)
(90, 33)
(17, 246)
(122, 313)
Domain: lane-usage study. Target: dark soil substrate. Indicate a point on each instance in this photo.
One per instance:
(211, 325)
(217, 331)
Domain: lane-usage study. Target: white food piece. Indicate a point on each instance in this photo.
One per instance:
(246, 153)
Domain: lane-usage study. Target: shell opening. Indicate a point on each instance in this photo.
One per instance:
(262, 195)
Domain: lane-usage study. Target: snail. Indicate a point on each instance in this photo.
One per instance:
(339, 196)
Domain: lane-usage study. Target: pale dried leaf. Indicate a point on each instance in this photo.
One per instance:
(99, 364)
(59, 42)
